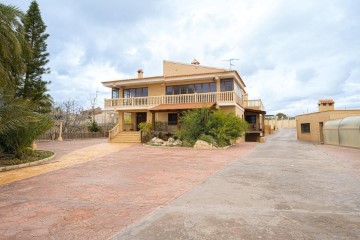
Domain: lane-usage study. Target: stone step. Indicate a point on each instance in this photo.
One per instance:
(127, 137)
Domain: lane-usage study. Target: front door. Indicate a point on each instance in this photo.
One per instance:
(140, 117)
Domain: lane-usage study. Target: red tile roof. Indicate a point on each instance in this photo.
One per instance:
(323, 101)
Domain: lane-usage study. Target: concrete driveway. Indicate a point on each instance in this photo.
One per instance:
(93, 189)
(284, 189)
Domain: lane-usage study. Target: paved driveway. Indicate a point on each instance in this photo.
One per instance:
(94, 190)
(284, 189)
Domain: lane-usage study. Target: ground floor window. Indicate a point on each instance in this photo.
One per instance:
(251, 119)
(172, 119)
(127, 118)
(305, 128)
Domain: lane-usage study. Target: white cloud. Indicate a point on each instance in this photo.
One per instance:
(291, 53)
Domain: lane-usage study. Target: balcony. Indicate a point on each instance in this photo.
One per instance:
(221, 98)
(254, 104)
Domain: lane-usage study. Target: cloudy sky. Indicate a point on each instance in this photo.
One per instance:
(291, 53)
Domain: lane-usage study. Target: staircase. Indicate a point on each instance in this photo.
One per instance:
(126, 137)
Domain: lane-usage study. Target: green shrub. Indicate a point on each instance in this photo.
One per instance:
(193, 124)
(94, 127)
(225, 127)
(19, 139)
(145, 127)
(217, 127)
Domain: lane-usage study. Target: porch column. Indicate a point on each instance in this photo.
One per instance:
(263, 124)
(178, 120)
(153, 120)
(133, 121)
(121, 120)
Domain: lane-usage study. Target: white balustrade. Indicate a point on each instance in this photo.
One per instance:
(229, 96)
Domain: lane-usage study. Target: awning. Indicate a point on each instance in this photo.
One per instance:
(254, 111)
(182, 106)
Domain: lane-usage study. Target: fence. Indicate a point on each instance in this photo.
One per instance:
(69, 136)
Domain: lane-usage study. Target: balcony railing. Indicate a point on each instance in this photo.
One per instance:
(254, 104)
(219, 97)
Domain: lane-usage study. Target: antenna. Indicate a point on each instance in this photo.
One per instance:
(230, 61)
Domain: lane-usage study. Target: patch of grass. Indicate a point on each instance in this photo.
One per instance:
(8, 159)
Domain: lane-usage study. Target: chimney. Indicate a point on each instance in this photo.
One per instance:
(195, 62)
(326, 105)
(140, 73)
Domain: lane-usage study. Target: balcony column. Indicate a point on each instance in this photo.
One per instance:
(218, 88)
(121, 92)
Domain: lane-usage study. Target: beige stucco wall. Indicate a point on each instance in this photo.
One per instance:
(161, 117)
(228, 108)
(319, 117)
(156, 89)
(281, 123)
(326, 107)
(174, 68)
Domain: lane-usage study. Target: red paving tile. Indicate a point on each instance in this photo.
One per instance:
(96, 199)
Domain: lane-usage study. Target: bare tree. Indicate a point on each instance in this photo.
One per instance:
(70, 113)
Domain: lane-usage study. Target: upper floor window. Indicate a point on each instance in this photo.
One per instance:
(115, 93)
(226, 85)
(135, 92)
(191, 88)
(238, 90)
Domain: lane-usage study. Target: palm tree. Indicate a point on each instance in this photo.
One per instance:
(13, 45)
(20, 124)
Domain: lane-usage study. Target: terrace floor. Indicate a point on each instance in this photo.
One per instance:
(93, 189)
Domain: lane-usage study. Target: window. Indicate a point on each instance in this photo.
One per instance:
(191, 88)
(226, 85)
(136, 92)
(115, 93)
(251, 119)
(176, 90)
(212, 87)
(172, 119)
(127, 118)
(198, 88)
(169, 90)
(305, 128)
(238, 90)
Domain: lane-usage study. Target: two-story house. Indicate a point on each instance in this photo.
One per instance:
(161, 100)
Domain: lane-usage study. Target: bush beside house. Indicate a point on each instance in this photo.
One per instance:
(217, 128)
